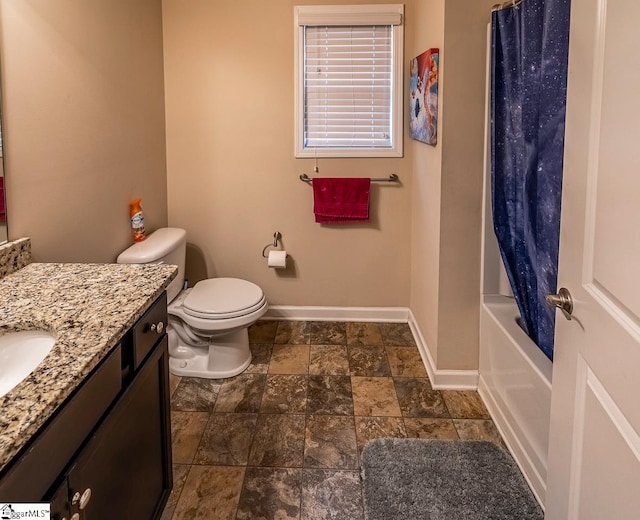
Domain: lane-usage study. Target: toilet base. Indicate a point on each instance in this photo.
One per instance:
(226, 356)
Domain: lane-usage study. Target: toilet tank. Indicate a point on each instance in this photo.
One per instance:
(163, 246)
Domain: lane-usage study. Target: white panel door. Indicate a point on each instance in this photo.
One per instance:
(594, 446)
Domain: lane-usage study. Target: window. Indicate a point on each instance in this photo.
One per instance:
(348, 77)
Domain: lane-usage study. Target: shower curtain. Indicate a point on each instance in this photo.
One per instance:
(530, 43)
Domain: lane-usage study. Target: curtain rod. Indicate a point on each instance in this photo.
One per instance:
(509, 3)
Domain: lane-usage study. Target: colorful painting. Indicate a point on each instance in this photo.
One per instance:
(423, 97)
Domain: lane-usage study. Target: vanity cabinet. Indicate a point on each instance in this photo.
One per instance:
(122, 468)
(122, 472)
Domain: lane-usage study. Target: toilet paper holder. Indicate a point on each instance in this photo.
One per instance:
(276, 236)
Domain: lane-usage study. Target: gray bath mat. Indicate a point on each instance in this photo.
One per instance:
(408, 479)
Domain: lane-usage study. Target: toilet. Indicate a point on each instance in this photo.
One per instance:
(208, 323)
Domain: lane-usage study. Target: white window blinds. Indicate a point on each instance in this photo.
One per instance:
(348, 80)
(348, 86)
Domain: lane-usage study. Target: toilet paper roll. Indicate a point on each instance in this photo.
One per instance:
(277, 259)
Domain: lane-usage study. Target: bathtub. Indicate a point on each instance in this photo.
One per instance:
(515, 384)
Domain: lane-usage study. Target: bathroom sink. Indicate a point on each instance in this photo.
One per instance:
(20, 353)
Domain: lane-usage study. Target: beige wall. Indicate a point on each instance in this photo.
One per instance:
(83, 86)
(232, 176)
(84, 123)
(445, 265)
(427, 180)
(462, 175)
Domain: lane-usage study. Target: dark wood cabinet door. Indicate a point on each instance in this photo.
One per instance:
(127, 463)
(46, 456)
(59, 502)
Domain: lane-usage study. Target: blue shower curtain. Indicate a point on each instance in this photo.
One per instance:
(530, 43)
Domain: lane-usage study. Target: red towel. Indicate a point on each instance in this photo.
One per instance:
(341, 201)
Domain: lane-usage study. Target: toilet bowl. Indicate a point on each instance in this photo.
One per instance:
(208, 327)
(208, 324)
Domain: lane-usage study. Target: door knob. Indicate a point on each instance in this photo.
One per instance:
(562, 301)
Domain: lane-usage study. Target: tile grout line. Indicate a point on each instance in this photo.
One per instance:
(304, 471)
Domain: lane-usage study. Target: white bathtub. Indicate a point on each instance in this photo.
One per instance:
(515, 383)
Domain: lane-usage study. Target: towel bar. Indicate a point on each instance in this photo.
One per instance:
(392, 178)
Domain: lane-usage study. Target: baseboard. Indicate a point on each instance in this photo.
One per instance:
(359, 314)
(441, 379)
(534, 479)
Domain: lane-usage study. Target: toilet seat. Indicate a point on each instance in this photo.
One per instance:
(223, 298)
(217, 323)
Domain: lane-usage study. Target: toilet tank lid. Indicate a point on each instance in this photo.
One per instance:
(157, 245)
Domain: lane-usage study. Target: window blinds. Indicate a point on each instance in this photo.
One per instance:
(347, 86)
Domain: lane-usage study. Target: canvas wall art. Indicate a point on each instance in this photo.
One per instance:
(423, 97)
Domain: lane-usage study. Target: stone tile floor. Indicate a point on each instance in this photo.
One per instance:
(283, 439)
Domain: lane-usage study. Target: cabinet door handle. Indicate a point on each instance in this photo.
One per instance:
(84, 499)
(159, 328)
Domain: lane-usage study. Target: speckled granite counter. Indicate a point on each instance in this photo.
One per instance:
(88, 307)
(14, 256)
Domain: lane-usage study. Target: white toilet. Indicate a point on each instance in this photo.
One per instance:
(207, 324)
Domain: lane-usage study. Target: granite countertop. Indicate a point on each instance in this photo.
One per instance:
(88, 308)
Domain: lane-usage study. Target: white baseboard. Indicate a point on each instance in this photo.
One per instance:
(441, 379)
(358, 314)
